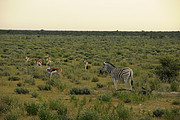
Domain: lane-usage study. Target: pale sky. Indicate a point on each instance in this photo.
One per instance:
(122, 15)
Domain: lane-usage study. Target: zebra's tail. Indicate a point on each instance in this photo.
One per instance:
(131, 77)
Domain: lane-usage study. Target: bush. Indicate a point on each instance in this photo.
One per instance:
(95, 79)
(88, 114)
(80, 91)
(105, 97)
(86, 77)
(20, 84)
(169, 69)
(123, 113)
(34, 94)
(30, 81)
(176, 102)
(60, 86)
(21, 90)
(13, 78)
(158, 112)
(44, 113)
(174, 86)
(11, 116)
(31, 108)
(100, 85)
(36, 76)
(44, 87)
(3, 107)
(172, 114)
(54, 104)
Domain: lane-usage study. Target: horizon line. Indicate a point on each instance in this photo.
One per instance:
(94, 30)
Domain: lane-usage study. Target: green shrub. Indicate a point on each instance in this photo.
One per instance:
(80, 91)
(21, 90)
(95, 79)
(174, 86)
(31, 108)
(60, 86)
(100, 85)
(158, 112)
(105, 97)
(86, 77)
(54, 104)
(44, 87)
(20, 84)
(62, 110)
(34, 94)
(11, 116)
(13, 78)
(172, 114)
(30, 81)
(3, 107)
(88, 114)
(176, 102)
(50, 82)
(44, 113)
(36, 75)
(169, 69)
(123, 113)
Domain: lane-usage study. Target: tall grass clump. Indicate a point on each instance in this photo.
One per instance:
(31, 108)
(172, 114)
(105, 97)
(88, 114)
(158, 112)
(95, 79)
(44, 113)
(123, 113)
(13, 78)
(21, 90)
(30, 81)
(11, 116)
(80, 91)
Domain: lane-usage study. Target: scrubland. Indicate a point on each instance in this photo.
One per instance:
(26, 92)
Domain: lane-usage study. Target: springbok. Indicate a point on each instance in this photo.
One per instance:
(26, 59)
(48, 60)
(54, 70)
(38, 63)
(85, 63)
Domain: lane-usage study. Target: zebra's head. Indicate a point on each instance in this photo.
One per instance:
(104, 68)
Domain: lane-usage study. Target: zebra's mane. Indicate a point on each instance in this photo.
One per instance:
(110, 64)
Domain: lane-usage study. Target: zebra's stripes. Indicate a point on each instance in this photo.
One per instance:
(124, 73)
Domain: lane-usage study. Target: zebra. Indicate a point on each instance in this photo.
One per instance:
(123, 73)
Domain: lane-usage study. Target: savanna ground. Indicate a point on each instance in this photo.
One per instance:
(26, 92)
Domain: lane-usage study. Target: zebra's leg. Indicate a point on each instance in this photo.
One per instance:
(114, 80)
(125, 80)
(130, 83)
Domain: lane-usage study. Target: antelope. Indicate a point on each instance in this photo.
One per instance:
(48, 60)
(38, 63)
(85, 63)
(26, 59)
(54, 70)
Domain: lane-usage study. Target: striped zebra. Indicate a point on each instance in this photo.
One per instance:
(124, 73)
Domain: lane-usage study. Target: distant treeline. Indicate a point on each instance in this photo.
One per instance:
(151, 34)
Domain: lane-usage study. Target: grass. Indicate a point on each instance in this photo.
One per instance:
(84, 94)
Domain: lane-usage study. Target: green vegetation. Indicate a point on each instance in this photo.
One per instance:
(85, 94)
